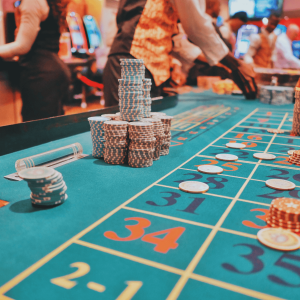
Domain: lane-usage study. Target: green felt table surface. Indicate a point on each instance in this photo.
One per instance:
(202, 246)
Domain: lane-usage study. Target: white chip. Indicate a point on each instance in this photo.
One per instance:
(281, 185)
(209, 169)
(226, 157)
(290, 152)
(194, 187)
(235, 145)
(264, 156)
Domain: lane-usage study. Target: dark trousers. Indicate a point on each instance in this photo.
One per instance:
(45, 81)
(112, 72)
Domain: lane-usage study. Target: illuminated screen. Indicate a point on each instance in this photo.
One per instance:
(242, 41)
(92, 31)
(242, 5)
(255, 9)
(77, 38)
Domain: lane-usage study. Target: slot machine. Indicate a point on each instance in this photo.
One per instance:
(242, 40)
(93, 34)
(78, 37)
(296, 48)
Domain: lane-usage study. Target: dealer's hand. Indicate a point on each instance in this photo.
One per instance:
(242, 74)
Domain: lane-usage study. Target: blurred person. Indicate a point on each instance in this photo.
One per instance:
(261, 52)
(45, 78)
(191, 61)
(284, 53)
(230, 28)
(145, 30)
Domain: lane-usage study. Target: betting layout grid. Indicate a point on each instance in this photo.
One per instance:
(235, 209)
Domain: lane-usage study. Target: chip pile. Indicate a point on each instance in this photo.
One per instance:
(131, 100)
(158, 129)
(296, 116)
(295, 157)
(142, 144)
(285, 213)
(116, 142)
(47, 186)
(97, 133)
(147, 98)
(166, 120)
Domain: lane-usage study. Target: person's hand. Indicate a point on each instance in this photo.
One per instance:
(177, 76)
(242, 74)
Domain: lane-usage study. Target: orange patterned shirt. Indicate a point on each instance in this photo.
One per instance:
(159, 20)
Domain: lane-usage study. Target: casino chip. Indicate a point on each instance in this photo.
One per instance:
(235, 145)
(279, 239)
(46, 184)
(194, 187)
(264, 156)
(294, 157)
(281, 185)
(209, 169)
(37, 173)
(290, 152)
(275, 130)
(226, 157)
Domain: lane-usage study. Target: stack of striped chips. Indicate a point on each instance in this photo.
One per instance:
(147, 98)
(46, 184)
(111, 116)
(296, 117)
(158, 129)
(285, 213)
(97, 133)
(131, 101)
(116, 142)
(155, 114)
(142, 144)
(295, 157)
(166, 120)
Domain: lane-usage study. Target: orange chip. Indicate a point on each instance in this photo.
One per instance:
(287, 205)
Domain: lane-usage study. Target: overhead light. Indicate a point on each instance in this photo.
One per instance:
(265, 21)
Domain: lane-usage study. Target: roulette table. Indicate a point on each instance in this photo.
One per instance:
(131, 233)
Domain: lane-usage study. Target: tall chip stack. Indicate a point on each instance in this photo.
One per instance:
(158, 129)
(166, 120)
(116, 142)
(97, 134)
(147, 98)
(131, 101)
(296, 119)
(142, 144)
(285, 213)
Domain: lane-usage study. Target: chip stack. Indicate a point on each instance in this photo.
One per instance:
(285, 213)
(131, 89)
(111, 116)
(296, 118)
(295, 157)
(155, 114)
(97, 133)
(47, 186)
(142, 144)
(116, 142)
(158, 129)
(147, 98)
(166, 120)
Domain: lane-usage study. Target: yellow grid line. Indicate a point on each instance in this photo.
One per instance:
(17, 279)
(191, 267)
